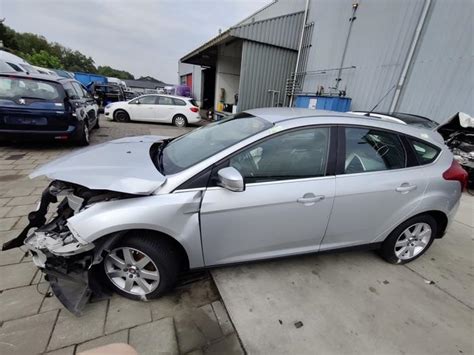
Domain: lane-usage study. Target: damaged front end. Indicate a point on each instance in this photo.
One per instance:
(458, 134)
(66, 260)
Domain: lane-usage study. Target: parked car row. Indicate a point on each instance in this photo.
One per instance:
(178, 110)
(37, 107)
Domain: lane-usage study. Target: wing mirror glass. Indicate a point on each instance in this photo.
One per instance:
(230, 178)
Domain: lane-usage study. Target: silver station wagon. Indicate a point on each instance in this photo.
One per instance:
(133, 213)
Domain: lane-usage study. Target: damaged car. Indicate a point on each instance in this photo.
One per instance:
(131, 214)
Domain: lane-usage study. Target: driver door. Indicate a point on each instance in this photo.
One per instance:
(285, 207)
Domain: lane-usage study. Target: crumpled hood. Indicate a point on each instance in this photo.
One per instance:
(122, 165)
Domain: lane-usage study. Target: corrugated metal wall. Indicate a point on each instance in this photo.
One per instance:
(440, 82)
(378, 46)
(263, 68)
(282, 31)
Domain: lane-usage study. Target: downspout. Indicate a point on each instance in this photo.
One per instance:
(299, 52)
(409, 58)
(351, 20)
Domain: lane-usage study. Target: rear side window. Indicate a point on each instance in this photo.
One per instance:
(372, 150)
(193, 102)
(178, 102)
(425, 153)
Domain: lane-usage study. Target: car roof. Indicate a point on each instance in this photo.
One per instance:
(165, 95)
(300, 117)
(47, 77)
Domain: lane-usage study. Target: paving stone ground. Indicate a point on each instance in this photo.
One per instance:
(191, 319)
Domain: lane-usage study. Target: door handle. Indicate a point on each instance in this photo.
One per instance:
(405, 187)
(310, 199)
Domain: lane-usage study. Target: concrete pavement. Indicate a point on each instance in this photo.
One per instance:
(191, 319)
(356, 303)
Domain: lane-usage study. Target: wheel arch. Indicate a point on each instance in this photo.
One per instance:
(109, 240)
(440, 217)
(117, 110)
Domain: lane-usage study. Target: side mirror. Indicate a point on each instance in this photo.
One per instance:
(230, 178)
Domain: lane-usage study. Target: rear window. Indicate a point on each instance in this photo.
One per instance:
(14, 88)
(193, 102)
(425, 153)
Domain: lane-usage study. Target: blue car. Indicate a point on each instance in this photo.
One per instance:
(43, 107)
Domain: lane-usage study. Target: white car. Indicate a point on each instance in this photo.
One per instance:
(177, 110)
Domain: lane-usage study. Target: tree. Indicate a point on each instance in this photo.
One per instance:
(120, 74)
(44, 59)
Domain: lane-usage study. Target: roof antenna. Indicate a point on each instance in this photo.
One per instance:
(380, 101)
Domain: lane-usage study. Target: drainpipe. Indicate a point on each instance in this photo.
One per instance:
(299, 52)
(351, 20)
(409, 58)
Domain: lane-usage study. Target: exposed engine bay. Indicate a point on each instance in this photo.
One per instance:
(66, 260)
(458, 134)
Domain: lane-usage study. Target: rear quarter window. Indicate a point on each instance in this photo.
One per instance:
(425, 153)
(179, 102)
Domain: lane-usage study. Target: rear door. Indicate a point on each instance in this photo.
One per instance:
(377, 187)
(166, 109)
(28, 104)
(285, 207)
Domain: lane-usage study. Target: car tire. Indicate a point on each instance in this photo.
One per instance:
(97, 124)
(410, 240)
(163, 266)
(180, 121)
(84, 134)
(121, 116)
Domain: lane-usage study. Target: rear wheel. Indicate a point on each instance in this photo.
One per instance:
(142, 266)
(121, 116)
(180, 121)
(84, 134)
(410, 240)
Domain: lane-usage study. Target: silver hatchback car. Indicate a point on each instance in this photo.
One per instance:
(135, 212)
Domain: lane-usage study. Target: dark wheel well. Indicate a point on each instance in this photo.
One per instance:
(184, 260)
(440, 218)
(118, 111)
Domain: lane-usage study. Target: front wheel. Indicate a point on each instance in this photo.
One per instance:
(409, 240)
(141, 267)
(121, 116)
(180, 121)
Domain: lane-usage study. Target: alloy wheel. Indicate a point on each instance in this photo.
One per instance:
(413, 240)
(180, 121)
(132, 271)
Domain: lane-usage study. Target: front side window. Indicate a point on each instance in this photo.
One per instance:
(204, 142)
(146, 100)
(78, 89)
(372, 150)
(293, 155)
(425, 153)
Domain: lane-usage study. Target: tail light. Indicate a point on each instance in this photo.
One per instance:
(194, 109)
(456, 173)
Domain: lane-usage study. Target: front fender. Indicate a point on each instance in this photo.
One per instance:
(176, 215)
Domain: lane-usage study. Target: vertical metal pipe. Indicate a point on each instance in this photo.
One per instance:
(409, 58)
(299, 52)
(343, 57)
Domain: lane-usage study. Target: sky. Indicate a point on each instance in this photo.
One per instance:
(144, 37)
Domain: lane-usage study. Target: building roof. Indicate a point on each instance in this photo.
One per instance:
(144, 84)
(281, 31)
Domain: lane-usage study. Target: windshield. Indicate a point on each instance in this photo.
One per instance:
(13, 88)
(204, 142)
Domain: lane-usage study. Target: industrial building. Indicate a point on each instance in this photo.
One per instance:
(418, 54)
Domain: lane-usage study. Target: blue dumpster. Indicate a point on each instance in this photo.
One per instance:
(330, 103)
